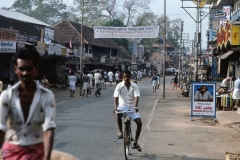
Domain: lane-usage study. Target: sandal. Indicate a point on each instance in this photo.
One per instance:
(119, 136)
(136, 146)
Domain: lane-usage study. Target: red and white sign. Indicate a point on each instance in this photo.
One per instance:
(226, 10)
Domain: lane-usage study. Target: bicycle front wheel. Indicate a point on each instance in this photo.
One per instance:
(126, 141)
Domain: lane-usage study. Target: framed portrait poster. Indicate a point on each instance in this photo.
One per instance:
(203, 99)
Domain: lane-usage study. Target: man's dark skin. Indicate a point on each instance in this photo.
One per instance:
(26, 70)
(126, 78)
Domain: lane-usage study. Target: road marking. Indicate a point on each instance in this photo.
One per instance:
(63, 102)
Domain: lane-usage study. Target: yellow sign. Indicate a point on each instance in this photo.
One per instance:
(201, 2)
(235, 35)
(41, 46)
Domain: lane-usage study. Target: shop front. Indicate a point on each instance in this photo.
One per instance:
(7, 51)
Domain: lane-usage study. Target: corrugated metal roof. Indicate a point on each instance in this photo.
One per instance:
(21, 17)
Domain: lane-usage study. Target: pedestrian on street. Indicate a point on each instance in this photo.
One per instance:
(80, 83)
(110, 77)
(105, 76)
(236, 92)
(126, 97)
(29, 110)
(97, 78)
(158, 81)
(45, 82)
(72, 83)
(1, 86)
(154, 82)
(117, 77)
(175, 82)
(90, 82)
(85, 85)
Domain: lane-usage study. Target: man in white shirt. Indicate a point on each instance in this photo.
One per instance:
(72, 83)
(97, 78)
(29, 110)
(90, 82)
(126, 96)
(110, 77)
(117, 77)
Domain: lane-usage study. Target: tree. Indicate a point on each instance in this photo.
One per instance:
(47, 11)
(133, 7)
(118, 23)
(173, 32)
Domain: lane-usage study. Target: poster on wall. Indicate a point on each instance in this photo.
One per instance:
(226, 11)
(203, 100)
(51, 48)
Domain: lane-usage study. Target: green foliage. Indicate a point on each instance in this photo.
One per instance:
(118, 23)
(48, 11)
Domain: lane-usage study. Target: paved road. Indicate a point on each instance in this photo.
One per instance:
(88, 129)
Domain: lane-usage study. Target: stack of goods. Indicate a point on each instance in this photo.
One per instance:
(226, 100)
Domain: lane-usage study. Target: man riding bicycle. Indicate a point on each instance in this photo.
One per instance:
(126, 95)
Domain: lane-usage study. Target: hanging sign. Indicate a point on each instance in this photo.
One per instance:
(126, 32)
(203, 100)
(219, 16)
(41, 47)
(7, 47)
(51, 48)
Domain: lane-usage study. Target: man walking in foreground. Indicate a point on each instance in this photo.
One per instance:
(126, 96)
(29, 110)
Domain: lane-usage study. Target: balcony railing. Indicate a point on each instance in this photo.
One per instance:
(236, 15)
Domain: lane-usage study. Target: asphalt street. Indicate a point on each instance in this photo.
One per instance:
(87, 128)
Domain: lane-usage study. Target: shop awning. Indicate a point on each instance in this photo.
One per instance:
(226, 55)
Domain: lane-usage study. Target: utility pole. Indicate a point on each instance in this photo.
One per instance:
(179, 61)
(164, 54)
(81, 49)
(196, 45)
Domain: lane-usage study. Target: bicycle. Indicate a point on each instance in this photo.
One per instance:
(127, 133)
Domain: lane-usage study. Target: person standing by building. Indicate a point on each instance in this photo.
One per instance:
(126, 97)
(90, 82)
(110, 77)
(72, 83)
(236, 92)
(27, 113)
(175, 82)
(105, 76)
(154, 82)
(85, 85)
(1, 86)
(97, 79)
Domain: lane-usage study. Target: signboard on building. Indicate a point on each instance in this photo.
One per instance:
(41, 47)
(8, 36)
(58, 49)
(219, 16)
(126, 32)
(7, 47)
(51, 48)
(21, 41)
(226, 10)
(235, 36)
(49, 33)
(203, 100)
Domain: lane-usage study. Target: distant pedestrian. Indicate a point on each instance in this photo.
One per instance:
(12, 82)
(105, 76)
(154, 82)
(72, 83)
(90, 82)
(97, 78)
(45, 82)
(85, 85)
(110, 77)
(158, 81)
(117, 77)
(80, 83)
(175, 82)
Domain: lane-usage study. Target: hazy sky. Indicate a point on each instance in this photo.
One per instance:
(174, 10)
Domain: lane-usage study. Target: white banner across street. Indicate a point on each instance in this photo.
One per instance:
(126, 32)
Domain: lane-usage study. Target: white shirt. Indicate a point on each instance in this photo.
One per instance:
(126, 97)
(110, 74)
(116, 76)
(41, 116)
(90, 77)
(97, 77)
(72, 79)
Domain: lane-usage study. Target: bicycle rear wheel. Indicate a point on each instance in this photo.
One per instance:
(126, 141)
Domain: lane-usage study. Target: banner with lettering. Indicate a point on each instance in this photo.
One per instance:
(126, 32)
(7, 47)
(203, 99)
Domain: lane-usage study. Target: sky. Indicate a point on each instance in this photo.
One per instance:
(173, 11)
